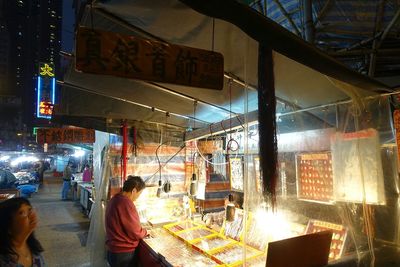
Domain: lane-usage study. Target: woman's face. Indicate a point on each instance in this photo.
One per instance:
(136, 194)
(24, 221)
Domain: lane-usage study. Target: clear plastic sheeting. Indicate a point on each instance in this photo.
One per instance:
(341, 176)
(357, 167)
(96, 237)
(101, 173)
(156, 154)
(102, 140)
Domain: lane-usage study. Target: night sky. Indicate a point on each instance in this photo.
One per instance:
(67, 27)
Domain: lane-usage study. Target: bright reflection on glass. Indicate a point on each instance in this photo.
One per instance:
(274, 225)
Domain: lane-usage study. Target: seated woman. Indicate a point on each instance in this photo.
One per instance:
(18, 245)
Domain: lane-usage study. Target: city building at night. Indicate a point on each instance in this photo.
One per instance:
(31, 35)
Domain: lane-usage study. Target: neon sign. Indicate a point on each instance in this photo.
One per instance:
(46, 70)
(46, 87)
(46, 108)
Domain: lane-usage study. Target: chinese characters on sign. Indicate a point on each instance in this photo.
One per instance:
(128, 56)
(315, 177)
(46, 70)
(46, 84)
(45, 108)
(65, 135)
(339, 236)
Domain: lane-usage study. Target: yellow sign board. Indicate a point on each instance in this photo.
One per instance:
(46, 70)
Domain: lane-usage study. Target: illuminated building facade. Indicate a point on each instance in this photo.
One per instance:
(33, 30)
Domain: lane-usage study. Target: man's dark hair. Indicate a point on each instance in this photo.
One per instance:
(133, 182)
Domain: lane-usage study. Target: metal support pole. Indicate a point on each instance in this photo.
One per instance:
(308, 21)
(375, 44)
(284, 12)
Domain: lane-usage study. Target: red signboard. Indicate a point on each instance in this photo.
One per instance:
(339, 235)
(45, 108)
(65, 135)
(115, 54)
(315, 177)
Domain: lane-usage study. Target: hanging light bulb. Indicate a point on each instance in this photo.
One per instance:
(193, 189)
(167, 187)
(159, 189)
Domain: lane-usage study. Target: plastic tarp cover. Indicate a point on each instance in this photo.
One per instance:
(101, 173)
(154, 148)
(338, 175)
(313, 170)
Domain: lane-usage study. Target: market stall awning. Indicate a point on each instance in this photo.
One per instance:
(311, 82)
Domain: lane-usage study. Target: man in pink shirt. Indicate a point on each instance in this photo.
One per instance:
(123, 229)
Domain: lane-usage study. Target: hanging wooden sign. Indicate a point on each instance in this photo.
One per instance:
(65, 135)
(115, 54)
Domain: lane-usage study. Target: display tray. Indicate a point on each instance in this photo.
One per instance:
(258, 261)
(176, 252)
(232, 255)
(194, 233)
(212, 243)
(180, 226)
(202, 247)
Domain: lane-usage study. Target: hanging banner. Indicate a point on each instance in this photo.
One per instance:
(115, 54)
(65, 135)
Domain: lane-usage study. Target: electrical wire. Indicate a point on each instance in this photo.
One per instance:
(212, 163)
(162, 166)
(159, 165)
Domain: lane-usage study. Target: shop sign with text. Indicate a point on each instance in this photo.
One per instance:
(115, 54)
(46, 86)
(65, 135)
